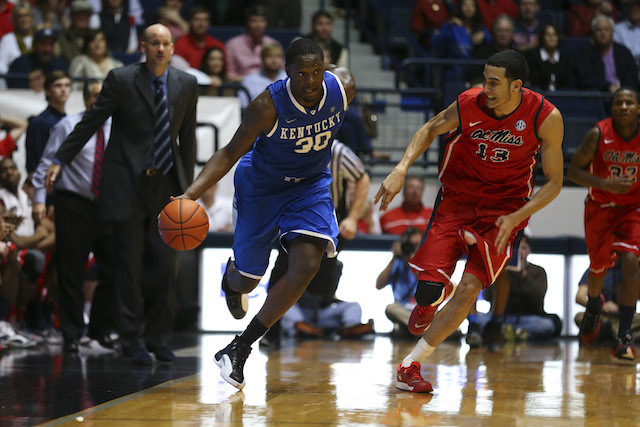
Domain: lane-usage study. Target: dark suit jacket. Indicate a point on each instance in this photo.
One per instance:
(588, 67)
(540, 71)
(127, 97)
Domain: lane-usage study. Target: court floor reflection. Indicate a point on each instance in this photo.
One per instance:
(352, 382)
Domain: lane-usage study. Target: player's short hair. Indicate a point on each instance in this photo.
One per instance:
(513, 62)
(624, 89)
(53, 76)
(303, 47)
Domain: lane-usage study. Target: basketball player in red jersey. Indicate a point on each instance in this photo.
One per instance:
(487, 180)
(607, 162)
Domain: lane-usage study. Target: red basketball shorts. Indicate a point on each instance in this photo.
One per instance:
(465, 224)
(609, 230)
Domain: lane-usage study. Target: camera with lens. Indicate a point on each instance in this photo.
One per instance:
(407, 248)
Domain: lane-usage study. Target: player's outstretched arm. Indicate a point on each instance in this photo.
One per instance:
(551, 133)
(259, 117)
(578, 171)
(443, 122)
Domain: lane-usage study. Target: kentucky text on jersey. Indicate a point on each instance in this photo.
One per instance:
(502, 136)
(622, 156)
(308, 130)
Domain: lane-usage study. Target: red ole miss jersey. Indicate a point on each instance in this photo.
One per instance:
(490, 157)
(615, 157)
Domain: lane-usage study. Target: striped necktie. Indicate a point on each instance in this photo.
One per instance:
(97, 162)
(162, 151)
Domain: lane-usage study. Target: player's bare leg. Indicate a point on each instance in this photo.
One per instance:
(627, 307)
(447, 320)
(443, 324)
(305, 255)
(236, 287)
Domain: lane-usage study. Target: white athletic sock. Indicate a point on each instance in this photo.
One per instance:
(420, 352)
(86, 312)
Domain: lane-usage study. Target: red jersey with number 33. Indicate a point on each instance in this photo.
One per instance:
(491, 157)
(615, 157)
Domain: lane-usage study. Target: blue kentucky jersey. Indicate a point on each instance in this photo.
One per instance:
(297, 149)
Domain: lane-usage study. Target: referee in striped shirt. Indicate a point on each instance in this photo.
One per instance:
(345, 167)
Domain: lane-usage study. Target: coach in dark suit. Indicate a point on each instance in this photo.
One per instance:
(150, 155)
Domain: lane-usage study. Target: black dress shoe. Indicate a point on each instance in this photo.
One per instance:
(141, 356)
(70, 346)
(163, 353)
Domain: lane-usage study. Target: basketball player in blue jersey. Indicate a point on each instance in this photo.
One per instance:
(281, 190)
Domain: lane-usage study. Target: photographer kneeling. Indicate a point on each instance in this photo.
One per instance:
(403, 281)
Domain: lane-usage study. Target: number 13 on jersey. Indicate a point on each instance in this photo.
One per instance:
(499, 154)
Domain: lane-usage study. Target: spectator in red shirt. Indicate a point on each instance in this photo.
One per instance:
(6, 11)
(16, 127)
(412, 213)
(581, 15)
(491, 9)
(193, 45)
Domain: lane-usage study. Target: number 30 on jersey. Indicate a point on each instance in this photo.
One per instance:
(318, 143)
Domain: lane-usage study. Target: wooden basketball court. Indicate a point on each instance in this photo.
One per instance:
(352, 383)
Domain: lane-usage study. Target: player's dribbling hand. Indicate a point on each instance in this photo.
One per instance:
(389, 188)
(506, 224)
(619, 185)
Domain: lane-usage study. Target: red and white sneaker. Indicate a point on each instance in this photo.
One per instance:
(409, 379)
(624, 350)
(421, 317)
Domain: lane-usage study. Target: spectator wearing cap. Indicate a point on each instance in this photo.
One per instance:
(6, 10)
(18, 42)
(243, 51)
(42, 57)
(193, 45)
(627, 32)
(71, 40)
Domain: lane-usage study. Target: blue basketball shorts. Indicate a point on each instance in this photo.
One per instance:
(263, 218)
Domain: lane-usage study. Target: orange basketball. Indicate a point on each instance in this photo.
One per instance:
(183, 224)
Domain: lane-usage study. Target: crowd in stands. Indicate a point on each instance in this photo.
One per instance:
(41, 41)
(590, 44)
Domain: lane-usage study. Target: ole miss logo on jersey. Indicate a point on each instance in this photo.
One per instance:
(502, 136)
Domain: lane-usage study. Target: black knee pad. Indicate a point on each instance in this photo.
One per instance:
(428, 292)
